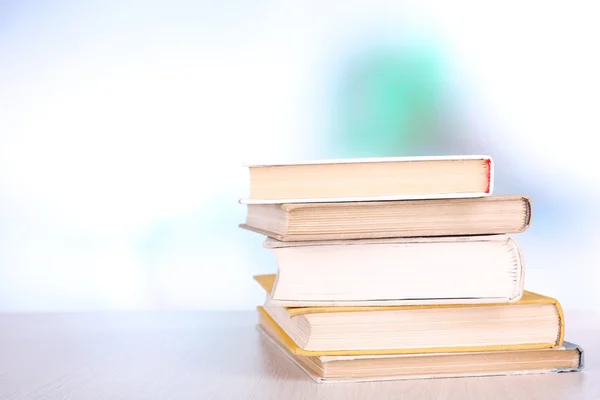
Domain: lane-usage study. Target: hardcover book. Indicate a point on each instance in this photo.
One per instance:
(436, 270)
(362, 368)
(371, 179)
(534, 322)
(388, 219)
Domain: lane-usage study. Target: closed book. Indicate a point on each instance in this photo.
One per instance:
(534, 322)
(389, 219)
(383, 367)
(371, 179)
(435, 270)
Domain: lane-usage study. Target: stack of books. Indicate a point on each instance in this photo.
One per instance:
(400, 268)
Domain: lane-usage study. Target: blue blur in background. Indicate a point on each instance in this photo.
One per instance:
(123, 127)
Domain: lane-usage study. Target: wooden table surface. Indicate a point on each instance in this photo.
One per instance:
(220, 355)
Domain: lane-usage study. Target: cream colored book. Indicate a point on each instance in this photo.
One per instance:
(436, 270)
(534, 322)
(364, 368)
(388, 219)
(371, 179)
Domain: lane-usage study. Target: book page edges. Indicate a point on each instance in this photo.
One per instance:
(289, 208)
(573, 346)
(485, 193)
(274, 341)
(296, 350)
(519, 290)
(529, 212)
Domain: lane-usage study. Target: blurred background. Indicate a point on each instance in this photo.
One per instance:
(124, 125)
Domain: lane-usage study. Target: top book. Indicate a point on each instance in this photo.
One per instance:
(371, 179)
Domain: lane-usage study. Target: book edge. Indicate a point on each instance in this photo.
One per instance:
(369, 198)
(394, 303)
(271, 243)
(288, 207)
(272, 341)
(297, 311)
(529, 212)
(296, 350)
(370, 160)
(263, 232)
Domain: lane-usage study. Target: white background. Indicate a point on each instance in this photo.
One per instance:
(123, 126)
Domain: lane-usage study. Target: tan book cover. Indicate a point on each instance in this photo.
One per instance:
(529, 298)
(365, 368)
(496, 214)
(370, 179)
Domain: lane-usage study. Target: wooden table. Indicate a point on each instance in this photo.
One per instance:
(219, 355)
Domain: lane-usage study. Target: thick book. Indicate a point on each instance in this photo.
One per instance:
(371, 179)
(364, 368)
(399, 271)
(388, 219)
(534, 322)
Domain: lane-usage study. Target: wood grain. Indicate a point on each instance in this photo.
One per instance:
(219, 355)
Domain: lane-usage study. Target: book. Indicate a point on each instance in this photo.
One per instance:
(371, 179)
(362, 368)
(534, 322)
(437, 270)
(388, 219)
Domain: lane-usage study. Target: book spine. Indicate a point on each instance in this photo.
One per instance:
(488, 190)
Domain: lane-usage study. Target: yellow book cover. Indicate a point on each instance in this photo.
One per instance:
(267, 281)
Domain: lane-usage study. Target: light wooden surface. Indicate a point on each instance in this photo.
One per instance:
(219, 355)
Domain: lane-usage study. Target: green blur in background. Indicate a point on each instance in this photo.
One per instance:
(390, 102)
